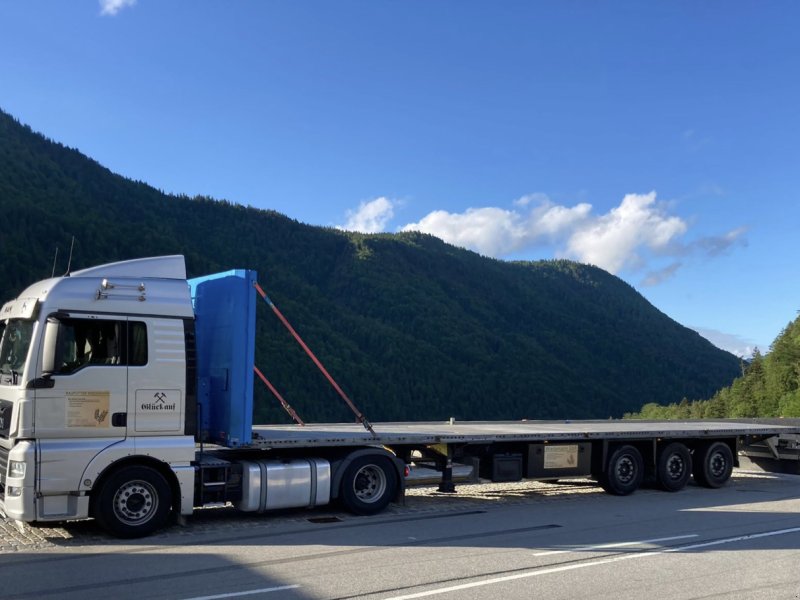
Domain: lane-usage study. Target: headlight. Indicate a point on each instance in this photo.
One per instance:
(16, 468)
(13, 492)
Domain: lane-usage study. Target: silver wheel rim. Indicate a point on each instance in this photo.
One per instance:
(718, 464)
(135, 502)
(676, 467)
(369, 484)
(626, 470)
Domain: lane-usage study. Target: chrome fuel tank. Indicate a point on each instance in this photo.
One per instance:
(272, 484)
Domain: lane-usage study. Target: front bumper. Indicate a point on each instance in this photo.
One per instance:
(17, 493)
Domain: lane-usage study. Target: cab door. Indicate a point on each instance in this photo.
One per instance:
(87, 381)
(80, 403)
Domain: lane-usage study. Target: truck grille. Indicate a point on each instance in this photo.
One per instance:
(5, 418)
(3, 471)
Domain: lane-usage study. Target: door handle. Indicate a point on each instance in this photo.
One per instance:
(119, 419)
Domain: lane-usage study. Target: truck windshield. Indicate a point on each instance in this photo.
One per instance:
(14, 350)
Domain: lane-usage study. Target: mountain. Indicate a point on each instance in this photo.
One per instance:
(411, 327)
(769, 387)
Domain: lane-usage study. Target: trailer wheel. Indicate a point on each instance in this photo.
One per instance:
(674, 467)
(624, 471)
(133, 502)
(368, 485)
(714, 465)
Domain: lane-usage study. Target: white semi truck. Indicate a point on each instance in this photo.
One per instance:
(126, 395)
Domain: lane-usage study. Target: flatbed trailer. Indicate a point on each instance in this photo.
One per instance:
(509, 450)
(126, 395)
(479, 432)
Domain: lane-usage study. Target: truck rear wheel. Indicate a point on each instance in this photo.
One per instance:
(368, 485)
(624, 471)
(133, 502)
(713, 465)
(674, 467)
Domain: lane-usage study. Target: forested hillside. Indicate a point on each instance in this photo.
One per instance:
(411, 327)
(769, 387)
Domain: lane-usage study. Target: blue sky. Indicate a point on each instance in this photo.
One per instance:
(656, 140)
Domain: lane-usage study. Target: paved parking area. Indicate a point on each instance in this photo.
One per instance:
(419, 499)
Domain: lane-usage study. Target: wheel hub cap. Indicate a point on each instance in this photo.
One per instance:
(135, 502)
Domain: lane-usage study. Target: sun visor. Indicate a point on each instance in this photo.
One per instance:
(21, 308)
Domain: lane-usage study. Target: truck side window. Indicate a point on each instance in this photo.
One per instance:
(138, 344)
(91, 342)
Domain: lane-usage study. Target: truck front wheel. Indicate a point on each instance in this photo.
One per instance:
(133, 502)
(368, 485)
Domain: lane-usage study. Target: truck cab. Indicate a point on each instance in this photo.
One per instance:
(93, 373)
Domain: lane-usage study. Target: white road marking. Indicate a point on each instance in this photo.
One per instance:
(583, 565)
(247, 593)
(616, 545)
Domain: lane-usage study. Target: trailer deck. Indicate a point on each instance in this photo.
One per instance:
(466, 432)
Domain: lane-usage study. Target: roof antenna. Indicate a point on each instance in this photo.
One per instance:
(55, 257)
(69, 262)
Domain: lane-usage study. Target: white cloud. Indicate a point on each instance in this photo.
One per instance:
(549, 220)
(719, 244)
(640, 235)
(734, 344)
(112, 7)
(613, 241)
(661, 275)
(498, 232)
(537, 198)
(491, 231)
(371, 216)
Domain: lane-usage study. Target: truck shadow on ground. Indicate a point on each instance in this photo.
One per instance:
(187, 576)
(223, 549)
(422, 505)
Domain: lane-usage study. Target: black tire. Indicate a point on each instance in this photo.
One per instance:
(624, 471)
(713, 465)
(133, 502)
(368, 485)
(673, 467)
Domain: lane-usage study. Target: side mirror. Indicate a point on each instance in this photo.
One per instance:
(49, 346)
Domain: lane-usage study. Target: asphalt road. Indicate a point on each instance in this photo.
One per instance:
(523, 540)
